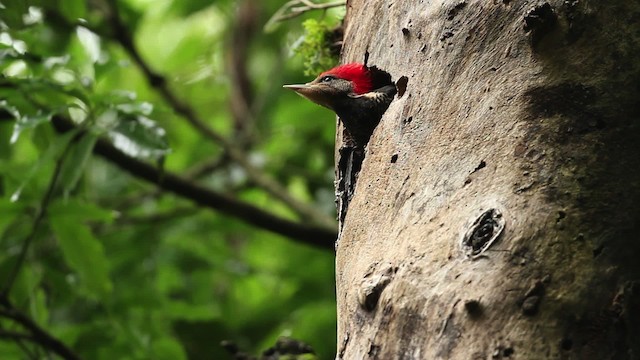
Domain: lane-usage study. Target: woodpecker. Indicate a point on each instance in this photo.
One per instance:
(358, 94)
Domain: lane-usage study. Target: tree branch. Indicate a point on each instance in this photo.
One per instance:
(11, 335)
(320, 236)
(36, 333)
(242, 95)
(295, 8)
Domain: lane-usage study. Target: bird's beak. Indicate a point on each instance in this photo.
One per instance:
(301, 89)
(312, 91)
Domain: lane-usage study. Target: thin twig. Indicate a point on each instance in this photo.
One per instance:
(37, 335)
(293, 9)
(32, 355)
(25, 349)
(241, 98)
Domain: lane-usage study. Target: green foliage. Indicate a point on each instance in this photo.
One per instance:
(118, 268)
(80, 249)
(316, 47)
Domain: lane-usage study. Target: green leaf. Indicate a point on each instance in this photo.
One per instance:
(167, 348)
(53, 151)
(26, 282)
(29, 122)
(82, 251)
(186, 8)
(140, 137)
(12, 15)
(12, 110)
(9, 212)
(136, 108)
(73, 9)
(39, 311)
(75, 162)
(315, 47)
(181, 310)
(33, 16)
(10, 350)
(74, 208)
(90, 42)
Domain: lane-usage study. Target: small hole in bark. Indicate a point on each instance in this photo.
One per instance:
(445, 35)
(401, 85)
(566, 344)
(539, 22)
(394, 158)
(473, 308)
(405, 31)
(373, 350)
(561, 215)
(507, 352)
(408, 120)
(480, 166)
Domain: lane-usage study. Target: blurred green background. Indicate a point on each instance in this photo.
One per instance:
(115, 267)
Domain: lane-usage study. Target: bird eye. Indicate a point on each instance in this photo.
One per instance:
(327, 79)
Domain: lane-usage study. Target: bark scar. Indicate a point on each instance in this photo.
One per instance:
(484, 231)
(372, 286)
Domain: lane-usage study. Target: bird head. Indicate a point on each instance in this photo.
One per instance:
(336, 84)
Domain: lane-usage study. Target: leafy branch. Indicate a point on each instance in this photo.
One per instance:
(121, 34)
(34, 334)
(40, 215)
(315, 235)
(295, 8)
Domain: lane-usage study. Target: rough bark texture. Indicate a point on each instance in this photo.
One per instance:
(529, 109)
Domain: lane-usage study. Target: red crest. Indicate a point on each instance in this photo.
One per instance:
(357, 73)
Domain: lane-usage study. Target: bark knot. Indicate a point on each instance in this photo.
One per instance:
(484, 231)
(372, 286)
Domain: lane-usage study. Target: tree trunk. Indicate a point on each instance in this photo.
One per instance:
(497, 211)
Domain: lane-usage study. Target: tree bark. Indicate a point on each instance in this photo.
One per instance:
(497, 211)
